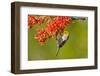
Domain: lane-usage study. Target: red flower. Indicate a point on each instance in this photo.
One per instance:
(41, 36)
(31, 21)
(58, 25)
(39, 20)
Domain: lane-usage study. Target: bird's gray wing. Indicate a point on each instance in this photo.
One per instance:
(61, 42)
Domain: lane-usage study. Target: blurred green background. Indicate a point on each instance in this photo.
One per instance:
(76, 47)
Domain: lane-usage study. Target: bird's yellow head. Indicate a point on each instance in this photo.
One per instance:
(66, 33)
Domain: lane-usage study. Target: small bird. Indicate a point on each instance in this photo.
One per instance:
(62, 40)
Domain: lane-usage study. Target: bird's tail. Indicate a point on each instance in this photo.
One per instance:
(57, 51)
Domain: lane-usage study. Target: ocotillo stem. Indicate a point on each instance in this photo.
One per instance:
(78, 18)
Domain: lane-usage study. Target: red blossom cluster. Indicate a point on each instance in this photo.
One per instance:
(58, 25)
(53, 28)
(39, 20)
(41, 36)
(33, 20)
